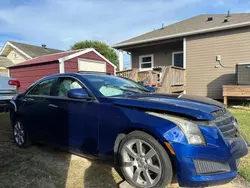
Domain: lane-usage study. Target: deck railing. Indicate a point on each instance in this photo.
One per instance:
(148, 78)
(178, 76)
(124, 73)
(170, 79)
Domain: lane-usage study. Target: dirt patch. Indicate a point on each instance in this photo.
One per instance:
(42, 167)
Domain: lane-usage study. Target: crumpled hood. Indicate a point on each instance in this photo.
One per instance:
(194, 106)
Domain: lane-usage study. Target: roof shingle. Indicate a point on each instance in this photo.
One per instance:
(34, 51)
(46, 58)
(193, 24)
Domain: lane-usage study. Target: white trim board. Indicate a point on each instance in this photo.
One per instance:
(179, 52)
(140, 62)
(184, 53)
(91, 60)
(84, 51)
(16, 48)
(61, 66)
(243, 63)
(104, 58)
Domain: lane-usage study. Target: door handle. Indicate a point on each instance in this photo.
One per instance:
(28, 100)
(53, 106)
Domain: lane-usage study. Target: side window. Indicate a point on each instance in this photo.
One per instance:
(43, 88)
(64, 85)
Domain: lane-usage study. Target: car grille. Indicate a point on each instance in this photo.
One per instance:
(209, 167)
(226, 123)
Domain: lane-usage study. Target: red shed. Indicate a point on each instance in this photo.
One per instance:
(71, 61)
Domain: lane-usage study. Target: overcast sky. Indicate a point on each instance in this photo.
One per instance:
(60, 23)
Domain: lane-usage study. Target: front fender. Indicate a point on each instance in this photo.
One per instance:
(125, 120)
(162, 129)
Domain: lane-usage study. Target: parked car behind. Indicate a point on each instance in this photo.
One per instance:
(8, 89)
(148, 137)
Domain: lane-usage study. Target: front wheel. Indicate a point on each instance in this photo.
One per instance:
(20, 135)
(144, 162)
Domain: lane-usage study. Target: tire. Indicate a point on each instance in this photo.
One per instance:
(149, 166)
(20, 135)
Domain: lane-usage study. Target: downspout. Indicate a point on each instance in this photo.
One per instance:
(185, 63)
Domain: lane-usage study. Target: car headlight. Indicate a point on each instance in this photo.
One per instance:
(189, 128)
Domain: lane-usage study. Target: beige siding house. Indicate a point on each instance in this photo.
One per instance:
(208, 47)
(16, 52)
(16, 57)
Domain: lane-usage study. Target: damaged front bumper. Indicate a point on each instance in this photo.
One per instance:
(212, 164)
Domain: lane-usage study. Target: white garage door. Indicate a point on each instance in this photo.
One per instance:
(87, 65)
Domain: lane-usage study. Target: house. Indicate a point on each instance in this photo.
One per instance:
(31, 70)
(15, 52)
(200, 52)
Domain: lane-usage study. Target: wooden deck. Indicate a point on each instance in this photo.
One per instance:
(169, 80)
(235, 91)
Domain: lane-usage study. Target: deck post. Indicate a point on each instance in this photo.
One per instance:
(225, 100)
(120, 60)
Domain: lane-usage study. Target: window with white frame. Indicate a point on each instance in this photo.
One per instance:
(146, 61)
(177, 59)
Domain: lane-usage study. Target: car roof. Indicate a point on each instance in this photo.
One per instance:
(77, 74)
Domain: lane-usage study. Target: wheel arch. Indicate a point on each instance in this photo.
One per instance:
(12, 112)
(124, 133)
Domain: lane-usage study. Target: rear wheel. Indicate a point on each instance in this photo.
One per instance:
(144, 162)
(20, 135)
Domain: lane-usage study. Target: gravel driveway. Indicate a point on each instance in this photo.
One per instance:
(44, 167)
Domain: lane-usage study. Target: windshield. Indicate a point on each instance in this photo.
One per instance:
(110, 86)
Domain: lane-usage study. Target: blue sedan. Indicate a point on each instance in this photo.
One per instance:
(148, 137)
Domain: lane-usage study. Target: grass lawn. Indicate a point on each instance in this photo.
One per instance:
(243, 117)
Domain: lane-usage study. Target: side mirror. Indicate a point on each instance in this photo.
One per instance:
(151, 89)
(78, 93)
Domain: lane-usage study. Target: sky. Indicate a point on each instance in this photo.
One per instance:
(61, 23)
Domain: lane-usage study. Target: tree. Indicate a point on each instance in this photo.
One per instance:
(101, 47)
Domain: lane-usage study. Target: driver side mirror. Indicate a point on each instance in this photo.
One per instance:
(151, 89)
(79, 93)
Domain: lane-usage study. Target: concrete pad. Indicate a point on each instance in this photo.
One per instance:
(125, 184)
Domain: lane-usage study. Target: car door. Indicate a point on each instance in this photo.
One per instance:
(35, 111)
(77, 119)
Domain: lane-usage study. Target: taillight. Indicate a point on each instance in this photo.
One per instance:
(14, 83)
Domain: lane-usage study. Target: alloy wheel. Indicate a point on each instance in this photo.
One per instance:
(19, 133)
(141, 163)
